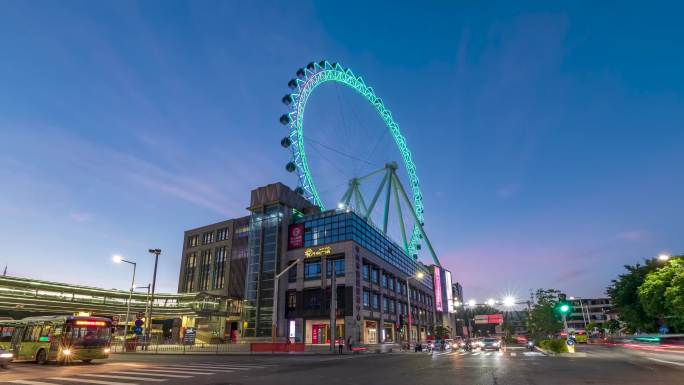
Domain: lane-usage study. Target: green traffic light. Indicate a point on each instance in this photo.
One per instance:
(564, 308)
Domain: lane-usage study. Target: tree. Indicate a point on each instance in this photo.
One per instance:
(661, 293)
(542, 320)
(442, 332)
(613, 325)
(624, 293)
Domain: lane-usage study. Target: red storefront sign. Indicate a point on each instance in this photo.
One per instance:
(295, 239)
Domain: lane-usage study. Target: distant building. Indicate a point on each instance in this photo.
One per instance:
(588, 310)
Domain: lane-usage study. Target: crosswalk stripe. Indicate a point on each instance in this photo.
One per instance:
(28, 382)
(175, 371)
(89, 381)
(218, 367)
(152, 374)
(513, 354)
(488, 354)
(199, 369)
(476, 353)
(116, 377)
(231, 365)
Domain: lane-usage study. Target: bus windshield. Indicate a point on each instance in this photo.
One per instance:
(89, 334)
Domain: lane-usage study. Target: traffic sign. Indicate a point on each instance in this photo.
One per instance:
(137, 330)
(140, 315)
(138, 323)
(115, 320)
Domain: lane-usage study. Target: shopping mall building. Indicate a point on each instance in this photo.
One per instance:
(239, 259)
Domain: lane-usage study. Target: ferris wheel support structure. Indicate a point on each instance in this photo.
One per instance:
(391, 185)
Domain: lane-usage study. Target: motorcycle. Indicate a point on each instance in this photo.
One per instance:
(530, 345)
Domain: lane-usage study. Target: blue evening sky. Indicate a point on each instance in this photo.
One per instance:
(547, 137)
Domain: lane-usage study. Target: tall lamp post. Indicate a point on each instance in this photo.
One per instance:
(419, 275)
(119, 259)
(156, 253)
(276, 281)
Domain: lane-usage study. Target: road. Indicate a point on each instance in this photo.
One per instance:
(599, 365)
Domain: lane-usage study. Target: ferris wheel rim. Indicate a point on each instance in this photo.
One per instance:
(310, 78)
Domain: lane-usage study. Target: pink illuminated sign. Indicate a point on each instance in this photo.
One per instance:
(438, 290)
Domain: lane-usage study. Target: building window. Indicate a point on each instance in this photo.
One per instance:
(312, 270)
(375, 301)
(375, 275)
(366, 272)
(339, 267)
(366, 299)
(193, 240)
(205, 268)
(386, 305)
(242, 231)
(219, 268)
(207, 237)
(390, 283)
(222, 234)
(292, 300)
(189, 279)
(384, 280)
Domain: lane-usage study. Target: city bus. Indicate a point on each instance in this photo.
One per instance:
(57, 338)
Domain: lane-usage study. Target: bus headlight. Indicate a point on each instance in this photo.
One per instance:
(106, 350)
(66, 352)
(6, 355)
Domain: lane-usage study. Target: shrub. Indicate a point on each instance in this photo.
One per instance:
(555, 346)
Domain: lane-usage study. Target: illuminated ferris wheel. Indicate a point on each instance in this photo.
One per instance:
(391, 188)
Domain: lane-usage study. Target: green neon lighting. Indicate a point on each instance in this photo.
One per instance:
(326, 72)
(648, 339)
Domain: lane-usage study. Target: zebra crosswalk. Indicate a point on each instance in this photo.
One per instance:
(137, 374)
(482, 354)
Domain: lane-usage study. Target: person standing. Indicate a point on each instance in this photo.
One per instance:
(349, 343)
(341, 344)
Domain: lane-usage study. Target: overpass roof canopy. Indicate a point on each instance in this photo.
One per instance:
(32, 295)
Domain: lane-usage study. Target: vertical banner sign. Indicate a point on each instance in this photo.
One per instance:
(438, 290)
(449, 294)
(296, 236)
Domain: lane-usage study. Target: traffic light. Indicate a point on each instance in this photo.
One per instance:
(564, 308)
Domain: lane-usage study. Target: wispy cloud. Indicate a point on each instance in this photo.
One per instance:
(508, 191)
(634, 236)
(81, 216)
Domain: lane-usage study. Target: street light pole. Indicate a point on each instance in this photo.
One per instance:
(419, 275)
(274, 316)
(118, 259)
(156, 253)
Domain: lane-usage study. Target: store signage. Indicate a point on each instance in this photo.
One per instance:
(325, 250)
(189, 336)
(489, 319)
(449, 294)
(438, 290)
(296, 236)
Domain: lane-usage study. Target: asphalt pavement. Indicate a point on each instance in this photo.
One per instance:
(600, 365)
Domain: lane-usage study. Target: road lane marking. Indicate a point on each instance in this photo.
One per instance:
(152, 374)
(488, 354)
(666, 362)
(199, 369)
(532, 354)
(513, 354)
(89, 381)
(116, 377)
(218, 367)
(175, 371)
(28, 382)
(231, 365)
(476, 353)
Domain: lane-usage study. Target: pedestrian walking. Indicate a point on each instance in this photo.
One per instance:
(349, 343)
(341, 344)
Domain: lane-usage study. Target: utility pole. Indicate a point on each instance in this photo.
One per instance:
(333, 306)
(156, 253)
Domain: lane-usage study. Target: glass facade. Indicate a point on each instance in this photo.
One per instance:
(263, 257)
(335, 226)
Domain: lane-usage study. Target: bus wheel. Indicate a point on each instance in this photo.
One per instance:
(41, 357)
(87, 361)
